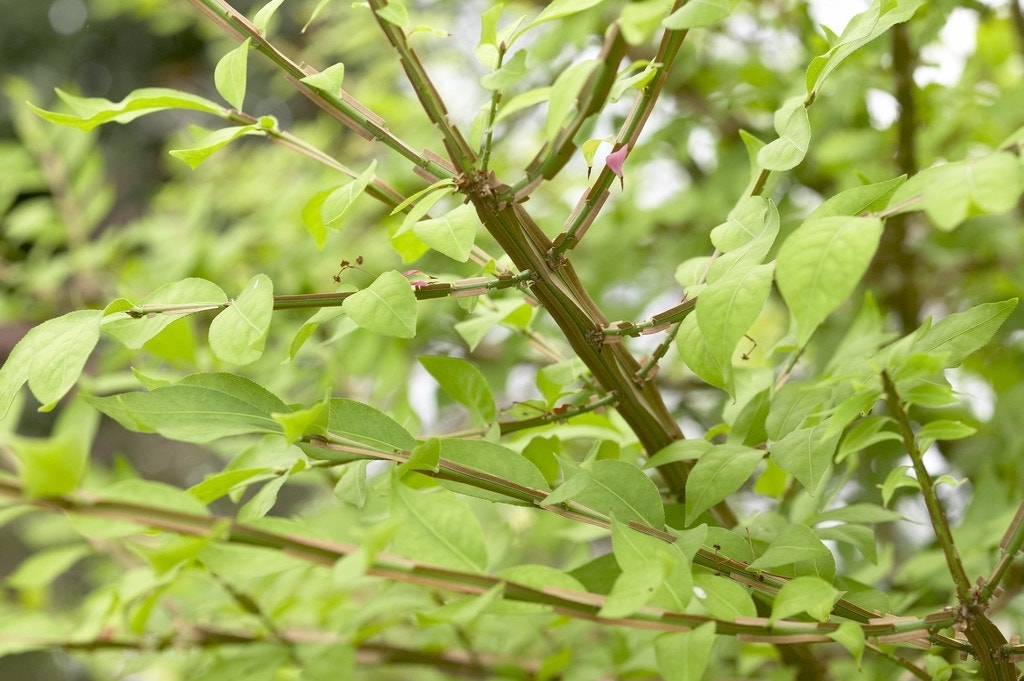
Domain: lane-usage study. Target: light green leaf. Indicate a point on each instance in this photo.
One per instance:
(93, 111)
(565, 93)
(962, 333)
(452, 234)
(487, 48)
(805, 594)
(40, 569)
(641, 19)
(684, 656)
(387, 307)
(262, 17)
(862, 29)
(572, 487)
(699, 13)
(328, 81)
(897, 479)
(338, 203)
(859, 199)
(951, 192)
(522, 101)
(680, 450)
(55, 465)
(209, 142)
(697, 354)
(857, 513)
(438, 528)
(362, 423)
(850, 636)
(718, 473)
(794, 130)
(806, 454)
(230, 75)
(464, 383)
(792, 404)
(621, 489)
(558, 9)
(860, 537)
(820, 265)
(395, 12)
(633, 550)
(723, 598)
(301, 422)
(188, 296)
(752, 219)
(943, 429)
(511, 72)
(425, 456)
(540, 577)
(633, 589)
(512, 311)
(238, 333)
(864, 434)
(50, 357)
(219, 484)
(795, 543)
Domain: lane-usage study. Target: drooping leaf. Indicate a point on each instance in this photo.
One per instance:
(93, 111)
(338, 203)
(437, 528)
(718, 473)
(239, 332)
(850, 636)
(50, 357)
(794, 130)
(464, 383)
(387, 306)
(207, 142)
(820, 265)
(684, 656)
(230, 75)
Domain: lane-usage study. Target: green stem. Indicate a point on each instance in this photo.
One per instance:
(557, 416)
(656, 323)
(1010, 547)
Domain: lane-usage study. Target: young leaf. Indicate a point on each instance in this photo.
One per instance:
(806, 454)
(262, 17)
(452, 234)
(850, 636)
(464, 383)
(50, 357)
(387, 307)
(189, 295)
(794, 130)
(564, 94)
(336, 205)
(230, 75)
(805, 594)
(718, 473)
(558, 9)
(859, 199)
(93, 111)
(437, 528)
(684, 656)
(820, 264)
(511, 72)
(962, 333)
(238, 334)
(633, 550)
(209, 142)
(328, 81)
(55, 465)
(699, 13)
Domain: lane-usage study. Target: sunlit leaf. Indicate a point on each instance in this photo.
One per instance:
(238, 333)
(438, 528)
(93, 111)
(718, 473)
(387, 306)
(230, 74)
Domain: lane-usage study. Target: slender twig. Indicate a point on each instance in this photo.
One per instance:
(658, 322)
(492, 112)
(1010, 546)
(557, 415)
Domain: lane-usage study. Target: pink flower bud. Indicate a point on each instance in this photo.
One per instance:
(615, 160)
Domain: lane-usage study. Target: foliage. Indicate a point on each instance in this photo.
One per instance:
(443, 451)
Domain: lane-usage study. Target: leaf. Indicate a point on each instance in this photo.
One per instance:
(962, 333)
(219, 484)
(438, 528)
(465, 383)
(633, 589)
(522, 101)
(794, 130)
(558, 9)
(512, 311)
(230, 75)
(452, 234)
(951, 192)
(337, 204)
(698, 14)
(804, 594)
(511, 72)
(857, 513)
(40, 569)
(793, 404)
(387, 307)
(897, 479)
(639, 20)
(634, 550)
(239, 332)
(56, 465)
(262, 18)
(943, 429)
(684, 656)
(850, 636)
(491, 461)
(753, 219)
(723, 598)
(362, 423)
(328, 81)
(540, 577)
(189, 295)
(860, 537)
(621, 489)
(395, 12)
(794, 544)
(209, 142)
(93, 111)
(806, 454)
(820, 265)
(718, 473)
(697, 354)
(862, 29)
(859, 199)
(299, 422)
(50, 357)
(565, 93)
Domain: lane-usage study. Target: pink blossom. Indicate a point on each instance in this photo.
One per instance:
(615, 160)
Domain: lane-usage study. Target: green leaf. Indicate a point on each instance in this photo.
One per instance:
(857, 513)
(641, 19)
(820, 264)
(50, 357)
(565, 93)
(387, 307)
(697, 354)
(39, 570)
(943, 429)
(209, 142)
(718, 473)
(684, 656)
(452, 234)
(805, 594)
(864, 434)
(634, 550)
(806, 454)
(794, 130)
(425, 456)
(862, 29)
(962, 333)
(200, 408)
(312, 217)
(621, 489)
(337, 204)
(754, 220)
(262, 18)
(558, 9)
(572, 487)
(230, 75)
(727, 308)
(510, 73)
(56, 465)
(238, 333)
(860, 537)
(93, 111)
(859, 199)
(540, 577)
(680, 450)
(465, 383)
(723, 598)
(219, 484)
(951, 192)
(522, 101)
(487, 48)
(437, 528)
(796, 543)
(850, 636)
(633, 589)
(897, 479)
(512, 311)
(301, 422)
(395, 12)
(187, 296)
(793, 404)
(328, 81)
(699, 13)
